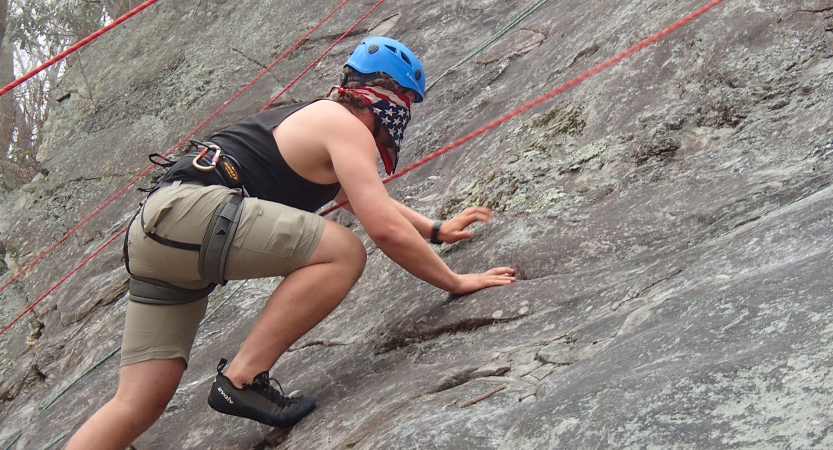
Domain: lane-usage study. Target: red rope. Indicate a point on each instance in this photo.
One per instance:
(76, 47)
(55, 286)
(29, 308)
(580, 78)
(241, 91)
(320, 57)
(171, 150)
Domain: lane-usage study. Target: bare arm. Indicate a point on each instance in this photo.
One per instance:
(421, 223)
(451, 231)
(353, 155)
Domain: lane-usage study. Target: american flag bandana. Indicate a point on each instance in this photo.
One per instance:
(392, 109)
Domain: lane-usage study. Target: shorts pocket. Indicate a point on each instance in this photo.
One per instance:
(160, 204)
(269, 228)
(287, 234)
(150, 219)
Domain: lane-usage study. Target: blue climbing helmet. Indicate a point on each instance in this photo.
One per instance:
(383, 54)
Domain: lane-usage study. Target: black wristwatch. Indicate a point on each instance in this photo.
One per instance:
(435, 233)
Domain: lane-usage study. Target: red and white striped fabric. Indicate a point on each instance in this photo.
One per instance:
(392, 110)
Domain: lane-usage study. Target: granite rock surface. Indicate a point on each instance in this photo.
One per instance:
(669, 219)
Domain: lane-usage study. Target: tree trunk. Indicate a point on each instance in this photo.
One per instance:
(4, 10)
(117, 8)
(6, 77)
(6, 101)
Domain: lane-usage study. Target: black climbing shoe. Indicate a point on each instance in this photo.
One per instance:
(258, 401)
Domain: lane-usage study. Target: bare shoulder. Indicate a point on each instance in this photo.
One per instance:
(327, 112)
(312, 138)
(325, 123)
(337, 128)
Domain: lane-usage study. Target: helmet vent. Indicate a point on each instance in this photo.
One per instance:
(373, 48)
(391, 48)
(405, 57)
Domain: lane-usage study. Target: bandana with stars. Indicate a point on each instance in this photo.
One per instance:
(392, 111)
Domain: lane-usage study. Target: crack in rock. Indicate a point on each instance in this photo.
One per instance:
(410, 337)
(257, 63)
(633, 296)
(589, 51)
(273, 439)
(243, 54)
(815, 11)
(452, 381)
(323, 343)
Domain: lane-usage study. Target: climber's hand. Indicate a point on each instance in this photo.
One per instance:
(453, 230)
(470, 282)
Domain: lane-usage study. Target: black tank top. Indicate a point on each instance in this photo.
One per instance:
(265, 173)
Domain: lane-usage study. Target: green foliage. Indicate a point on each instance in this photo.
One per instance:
(36, 30)
(51, 24)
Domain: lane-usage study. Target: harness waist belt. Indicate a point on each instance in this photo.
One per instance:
(171, 183)
(226, 172)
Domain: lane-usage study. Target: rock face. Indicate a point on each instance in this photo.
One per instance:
(669, 219)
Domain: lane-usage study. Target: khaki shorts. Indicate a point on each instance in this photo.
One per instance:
(271, 240)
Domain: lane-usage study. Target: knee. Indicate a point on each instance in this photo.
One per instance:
(351, 254)
(144, 409)
(354, 247)
(339, 245)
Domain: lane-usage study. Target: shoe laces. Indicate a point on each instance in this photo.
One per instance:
(262, 384)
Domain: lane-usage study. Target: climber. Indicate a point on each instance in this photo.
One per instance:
(242, 206)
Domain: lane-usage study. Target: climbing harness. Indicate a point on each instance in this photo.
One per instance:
(156, 292)
(210, 158)
(218, 237)
(216, 242)
(191, 133)
(213, 253)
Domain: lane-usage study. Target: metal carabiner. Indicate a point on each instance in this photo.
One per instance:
(214, 160)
